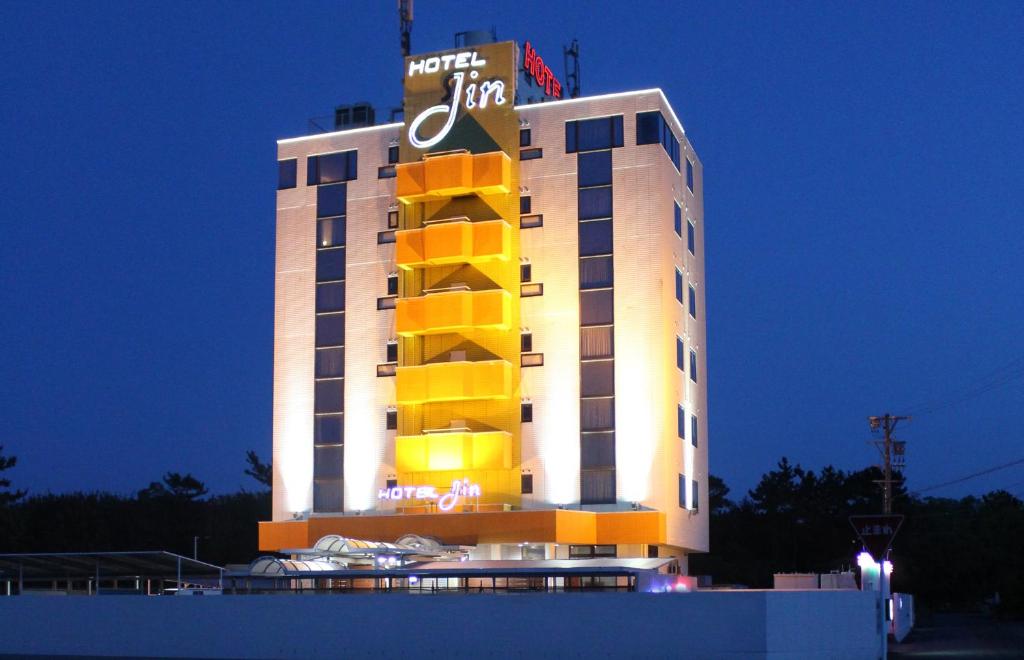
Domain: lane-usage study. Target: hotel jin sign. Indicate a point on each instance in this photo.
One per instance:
(445, 501)
(451, 95)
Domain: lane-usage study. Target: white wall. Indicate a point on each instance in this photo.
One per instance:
(738, 624)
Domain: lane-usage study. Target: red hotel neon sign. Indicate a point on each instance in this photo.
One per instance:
(541, 73)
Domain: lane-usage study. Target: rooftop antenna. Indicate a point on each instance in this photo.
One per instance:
(405, 41)
(405, 25)
(572, 71)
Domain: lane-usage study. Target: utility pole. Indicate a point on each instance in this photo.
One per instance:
(893, 452)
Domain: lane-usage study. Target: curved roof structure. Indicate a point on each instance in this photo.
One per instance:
(275, 566)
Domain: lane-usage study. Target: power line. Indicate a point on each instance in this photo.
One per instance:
(995, 379)
(970, 476)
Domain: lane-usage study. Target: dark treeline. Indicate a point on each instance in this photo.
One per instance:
(950, 553)
(166, 515)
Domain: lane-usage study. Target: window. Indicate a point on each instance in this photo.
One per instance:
(525, 205)
(597, 415)
(386, 370)
(384, 237)
(597, 378)
(596, 272)
(286, 173)
(679, 286)
(597, 486)
(391, 419)
(593, 134)
(596, 307)
(693, 366)
(391, 483)
(525, 272)
(531, 154)
(689, 174)
(387, 303)
(386, 172)
(327, 462)
(596, 342)
(531, 360)
(597, 450)
(331, 200)
(681, 422)
(651, 128)
(526, 342)
(692, 301)
(595, 237)
(330, 330)
(695, 503)
(330, 232)
(392, 154)
(594, 169)
(393, 284)
(330, 297)
(328, 396)
(677, 219)
(531, 221)
(594, 203)
(693, 430)
(524, 137)
(330, 168)
(691, 237)
(330, 362)
(327, 495)
(328, 429)
(392, 219)
(531, 290)
(391, 351)
(682, 491)
(680, 355)
(526, 411)
(652, 552)
(591, 551)
(526, 484)
(330, 264)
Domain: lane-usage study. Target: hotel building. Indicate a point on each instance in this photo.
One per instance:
(490, 323)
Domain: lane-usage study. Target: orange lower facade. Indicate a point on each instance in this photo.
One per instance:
(545, 526)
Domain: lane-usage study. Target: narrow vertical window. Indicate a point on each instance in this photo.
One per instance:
(681, 422)
(689, 174)
(693, 365)
(693, 430)
(526, 411)
(525, 205)
(680, 355)
(691, 237)
(679, 286)
(526, 342)
(287, 173)
(391, 352)
(693, 302)
(393, 284)
(524, 137)
(393, 155)
(682, 491)
(391, 419)
(525, 272)
(677, 219)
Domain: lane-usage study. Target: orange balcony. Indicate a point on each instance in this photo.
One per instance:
(432, 452)
(453, 174)
(438, 313)
(460, 242)
(454, 381)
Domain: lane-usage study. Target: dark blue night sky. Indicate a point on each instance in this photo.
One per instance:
(863, 199)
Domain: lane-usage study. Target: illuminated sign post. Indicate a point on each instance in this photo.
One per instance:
(445, 501)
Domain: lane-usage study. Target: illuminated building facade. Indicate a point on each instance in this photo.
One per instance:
(489, 323)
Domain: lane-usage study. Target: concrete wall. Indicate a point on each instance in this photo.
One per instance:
(747, 624)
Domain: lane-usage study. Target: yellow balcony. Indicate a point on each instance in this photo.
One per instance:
(449, 175)
(454, 381)
(460, 242)
(438, 313)
(431, 452)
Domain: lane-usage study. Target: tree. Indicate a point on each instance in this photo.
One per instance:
(718, 496)
(258, 470)
(8, 496)
(184, 487)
